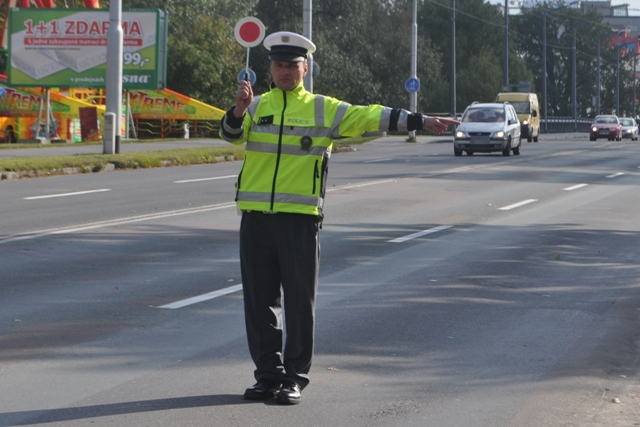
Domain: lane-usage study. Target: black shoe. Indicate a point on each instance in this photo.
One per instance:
(262, 390)
(289, 393)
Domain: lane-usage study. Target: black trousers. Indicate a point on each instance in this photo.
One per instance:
(279, 259)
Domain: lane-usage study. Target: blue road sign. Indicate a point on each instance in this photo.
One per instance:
(412, 85)
(247, 74)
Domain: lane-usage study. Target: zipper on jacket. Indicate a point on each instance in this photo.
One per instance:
(275, 172)
(316, 175)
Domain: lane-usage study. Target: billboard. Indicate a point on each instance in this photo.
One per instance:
(68, 48)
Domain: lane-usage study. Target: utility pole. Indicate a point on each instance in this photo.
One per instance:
(306, 31)
(113, 115)
(452, 71)
(506, 46)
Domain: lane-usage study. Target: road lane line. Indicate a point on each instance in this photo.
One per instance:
(379, 160)
(76, 193)
(517, 205)
(204, 179)
(114, 222)
(420, 233)
(615, 175)
(575, 187)
(203, 297)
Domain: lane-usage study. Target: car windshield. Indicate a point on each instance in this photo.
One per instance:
(483, 115)
(522, 107)
(605, 120)
(626, 122)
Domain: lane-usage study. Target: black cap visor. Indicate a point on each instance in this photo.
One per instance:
(287, 53)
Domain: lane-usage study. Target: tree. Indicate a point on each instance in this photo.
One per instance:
(590, 30)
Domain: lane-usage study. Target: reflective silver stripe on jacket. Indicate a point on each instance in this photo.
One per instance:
(296, 131)
(297, 199)
(335, 126)
(318, 106)
(230, 130)
(294, 150)
(385, 119)
(403, 119)
(254, 105)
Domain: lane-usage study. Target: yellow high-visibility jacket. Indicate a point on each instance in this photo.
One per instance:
(289, 140)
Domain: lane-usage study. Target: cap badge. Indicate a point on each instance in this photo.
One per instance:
(285, 39)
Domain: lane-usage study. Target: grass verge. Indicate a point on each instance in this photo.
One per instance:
(88, 163)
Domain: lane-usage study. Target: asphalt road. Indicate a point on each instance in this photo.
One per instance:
(454, 291)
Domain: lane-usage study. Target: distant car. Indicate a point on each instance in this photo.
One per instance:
(629, 128)
(606, 126)
(487, 128)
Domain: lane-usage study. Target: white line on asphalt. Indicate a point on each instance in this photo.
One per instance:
(121, 221)
(204, 179)
(75, 193)
(379, 160)
(615, 175)
(575, 187)
(517, 205)
(364, 184)
(203, 297)
(420, 233)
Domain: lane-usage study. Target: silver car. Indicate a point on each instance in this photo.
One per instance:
(629, 128)
(487, 128)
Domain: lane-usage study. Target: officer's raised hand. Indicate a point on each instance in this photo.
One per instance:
(437, 125)
(244, 96)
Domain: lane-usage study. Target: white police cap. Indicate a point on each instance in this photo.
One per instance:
(288, 47)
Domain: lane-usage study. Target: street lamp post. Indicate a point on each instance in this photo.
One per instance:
(452, 71)
(544, 60)
(574, 92)
(506, 45)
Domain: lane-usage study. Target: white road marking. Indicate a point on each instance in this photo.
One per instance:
(75, 193)
(203, 297)
(364, 184)
(575, 187)
(517, 205)
(420, 233)
(615, 175)
(120, 221)
(204, 179)
(379, 160)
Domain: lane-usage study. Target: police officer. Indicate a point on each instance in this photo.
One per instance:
(280, 191)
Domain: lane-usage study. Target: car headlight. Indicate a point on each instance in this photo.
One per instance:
(460, 134)
(526, 122)
(594, 129)
(499, 134)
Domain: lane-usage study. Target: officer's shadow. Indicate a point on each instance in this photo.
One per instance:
(43, 416)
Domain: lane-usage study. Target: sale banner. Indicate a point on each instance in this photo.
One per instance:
(68, 48)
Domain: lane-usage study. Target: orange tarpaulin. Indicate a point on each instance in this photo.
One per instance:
(95, 4)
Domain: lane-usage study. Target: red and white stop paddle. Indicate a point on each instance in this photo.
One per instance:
(249, 32)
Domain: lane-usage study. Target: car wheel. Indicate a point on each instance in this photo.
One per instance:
(457, 152)
(469, 153)
(592, 139)
(507, 150)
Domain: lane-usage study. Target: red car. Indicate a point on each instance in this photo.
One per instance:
(605, 126)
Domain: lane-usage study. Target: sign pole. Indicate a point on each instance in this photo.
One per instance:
(114, 77)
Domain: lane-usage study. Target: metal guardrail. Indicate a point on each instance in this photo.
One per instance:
(565, 124)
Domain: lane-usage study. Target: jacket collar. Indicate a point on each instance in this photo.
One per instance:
(299, 90)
